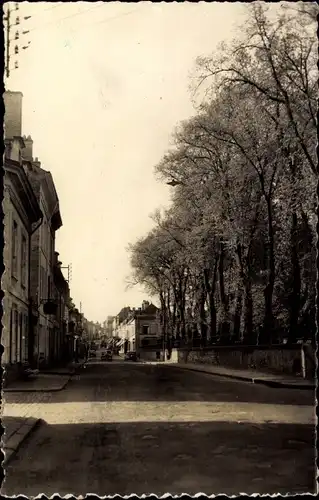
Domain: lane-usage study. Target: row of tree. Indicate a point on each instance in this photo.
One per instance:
(233, 259)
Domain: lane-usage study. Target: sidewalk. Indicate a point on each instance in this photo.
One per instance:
(70, 369)
(252, 376)
(17, 429)
(43, 382)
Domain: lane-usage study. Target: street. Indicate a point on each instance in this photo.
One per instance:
(150, 428)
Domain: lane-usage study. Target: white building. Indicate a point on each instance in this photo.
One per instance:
(43, 256)
(22, 215)
(141, 332)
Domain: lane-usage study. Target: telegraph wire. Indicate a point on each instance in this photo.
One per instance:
(12, 20)
(17, 39)
(8, 24)
(56, 21)
(36, 14)
(106, 20)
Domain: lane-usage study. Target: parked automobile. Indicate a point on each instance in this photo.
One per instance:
(92, 354)
(106, 356)
(131, 356)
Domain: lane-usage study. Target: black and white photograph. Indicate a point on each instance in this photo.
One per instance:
(159, 258)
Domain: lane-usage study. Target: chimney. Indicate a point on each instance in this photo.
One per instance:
(36, 162)
(13, 114)
(27, 152)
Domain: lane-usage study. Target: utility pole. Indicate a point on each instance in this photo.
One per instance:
(69, 273)
(69, 268)
(7, 20)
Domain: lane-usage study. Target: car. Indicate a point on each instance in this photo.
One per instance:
(130, 356)
(106, 356)
(92, 354)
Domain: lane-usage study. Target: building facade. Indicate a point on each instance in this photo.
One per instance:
(43, 260)
(22, 216)
(109, 324)
(37, 303)
(141, 331)
(149, 338)
(61, 296)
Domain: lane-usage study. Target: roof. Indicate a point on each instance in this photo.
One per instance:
(45, 178)
(16, 173)
(151, 309)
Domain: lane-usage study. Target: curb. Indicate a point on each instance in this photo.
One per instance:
(61, 374)
(270, 383)
(283, 385)
(234, 377)
(14, 443)
(54, 389)
(70, 372)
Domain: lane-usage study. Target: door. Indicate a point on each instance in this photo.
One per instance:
(11, 336)
(20, 345)
(16, 336)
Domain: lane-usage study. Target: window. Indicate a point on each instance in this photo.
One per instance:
(52, 241)
(145, 329)
(43, 283)
(14, 249)
(16, 335)
(25, 338)
(23, 261)
(44, 238)
(20, 341)
(11, 336)
(49, 287)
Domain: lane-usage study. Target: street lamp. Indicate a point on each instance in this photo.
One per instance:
(174, 183)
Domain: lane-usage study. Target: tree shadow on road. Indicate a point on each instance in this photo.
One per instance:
(158, 457)
(133, 382)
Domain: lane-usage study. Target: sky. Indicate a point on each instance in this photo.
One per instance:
(104, 86)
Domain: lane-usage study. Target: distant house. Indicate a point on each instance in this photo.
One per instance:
(148, 332)
(141, 332)
(61, 295)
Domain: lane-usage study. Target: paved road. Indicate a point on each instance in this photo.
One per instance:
(126, 427)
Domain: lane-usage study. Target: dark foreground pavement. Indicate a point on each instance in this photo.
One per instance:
(124, 428)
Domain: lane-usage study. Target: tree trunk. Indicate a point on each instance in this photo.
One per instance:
(268, 326)
(248, 329)
(294, 302)
(180, 302)
(203, 327)
(225, 326)
(248, 298)
(237, 315)
(210, 285)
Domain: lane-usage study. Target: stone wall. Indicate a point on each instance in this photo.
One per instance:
(279, 359)
(150, 355)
